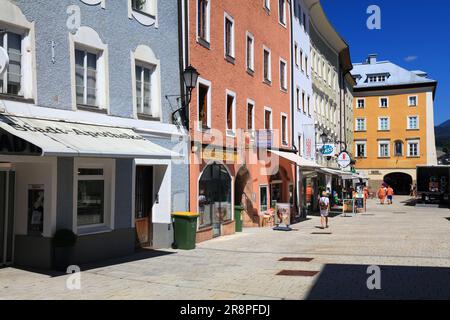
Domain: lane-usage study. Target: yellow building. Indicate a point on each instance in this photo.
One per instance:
(394, 123)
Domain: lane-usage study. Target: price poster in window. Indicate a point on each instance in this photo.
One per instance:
(36, 197)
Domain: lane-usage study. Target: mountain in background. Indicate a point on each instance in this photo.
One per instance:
(442, 133)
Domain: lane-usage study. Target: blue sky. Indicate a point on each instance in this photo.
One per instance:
(414, 34)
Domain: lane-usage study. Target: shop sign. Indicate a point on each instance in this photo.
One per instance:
(328, 150)
(219, 154)
(10, 144)
(264, 139)
(74, 131)
(344, 159)
(4, 61)
(283, 214)
(308, 145)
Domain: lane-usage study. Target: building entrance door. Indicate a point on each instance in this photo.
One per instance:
(143, 206)
(7, 182)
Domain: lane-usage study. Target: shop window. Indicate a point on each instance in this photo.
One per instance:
(91, 197)
(214, 199)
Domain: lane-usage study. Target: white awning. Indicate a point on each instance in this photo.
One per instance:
(64, 138)
(295, 158)
(342, 174)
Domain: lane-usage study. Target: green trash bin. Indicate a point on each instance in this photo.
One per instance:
(185, 229)
(238, 218)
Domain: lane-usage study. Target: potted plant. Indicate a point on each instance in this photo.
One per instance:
(63, 242)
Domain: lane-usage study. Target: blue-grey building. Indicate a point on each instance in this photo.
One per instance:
(86, 140)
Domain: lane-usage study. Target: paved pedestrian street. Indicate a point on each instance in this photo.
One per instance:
(411, 245)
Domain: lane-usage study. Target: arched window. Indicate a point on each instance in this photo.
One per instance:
(89, 65)
(214, 196)
(17, 38)
(146, 85)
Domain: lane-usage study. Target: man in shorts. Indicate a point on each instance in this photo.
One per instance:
(324, 206)
(390, 194)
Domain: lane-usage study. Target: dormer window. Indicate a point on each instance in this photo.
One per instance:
(374, 78)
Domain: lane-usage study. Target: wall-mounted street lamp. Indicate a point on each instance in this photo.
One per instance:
(190, 77)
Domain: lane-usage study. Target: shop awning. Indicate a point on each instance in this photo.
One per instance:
(295, 158)
(342, 174)
(30, 136)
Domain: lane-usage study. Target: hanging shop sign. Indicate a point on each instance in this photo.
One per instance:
(4, 61)
(328, 150)
(308, 148)
(344, 159)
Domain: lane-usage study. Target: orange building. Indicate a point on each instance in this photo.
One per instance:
(241, 50)
(394, 123)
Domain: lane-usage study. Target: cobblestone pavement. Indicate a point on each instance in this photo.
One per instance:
(410, 244)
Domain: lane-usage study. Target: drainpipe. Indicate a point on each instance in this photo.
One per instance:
(296, 182)
(183, 58)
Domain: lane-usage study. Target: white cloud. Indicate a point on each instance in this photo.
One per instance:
(411, 58)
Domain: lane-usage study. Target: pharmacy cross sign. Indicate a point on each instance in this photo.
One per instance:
(344, 159)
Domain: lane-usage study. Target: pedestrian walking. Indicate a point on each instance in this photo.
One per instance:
(390, 194)
(382, 194)
(324, 205)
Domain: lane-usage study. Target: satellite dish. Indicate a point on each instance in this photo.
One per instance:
(4, 61)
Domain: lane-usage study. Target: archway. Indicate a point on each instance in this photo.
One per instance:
(214, 197)
(400, 182)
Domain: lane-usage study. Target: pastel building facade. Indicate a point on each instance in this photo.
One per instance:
(394, 122)
(243, 54)
(84, 102)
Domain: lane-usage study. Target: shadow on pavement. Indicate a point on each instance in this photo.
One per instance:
(349, 282)
(140, 254)
(410, 202)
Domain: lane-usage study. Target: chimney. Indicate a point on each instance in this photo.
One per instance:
(372, 59)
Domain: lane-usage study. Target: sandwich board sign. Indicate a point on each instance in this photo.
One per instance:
(344, 159)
